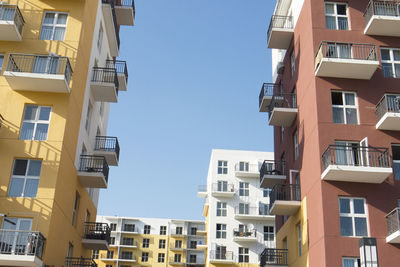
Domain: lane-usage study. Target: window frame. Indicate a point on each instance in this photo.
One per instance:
(345, 106)
(391, 61)
(353, 259)
(161, 243)
(54, 25)
(292, 63)
(35, 122)
(221, 232)
(244, 189)
(25, 177)
(299, 239)
(353, 215)
(161, 257)
(243, 254)
(145, 256)
(222, 167)
(163, 230)
(222, 209)
(296, 144)
(267, 233)
(147, 229)
(337, 16)
(146, 243)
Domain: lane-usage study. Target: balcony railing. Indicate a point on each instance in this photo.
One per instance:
(282, 101)
(245, 233)
(223, 188)
(346, 51)
(97, 231)
(249, 168)
(24, 243)
(107, 144)
(381, 8)
(388, 103)
(393, 221)
(119, 66)
(40, 65)
(105, 75)
(128, 257)
(272, 167)
(12, 13)
(79, 262)
(133, 229)
(268, 90)
(178, 231)
(94, 164)
(125, 3)
(131, 243)
(285, 192)
(252, 211)
(274, 257)
(356, 156)
(222, 255)
(281, 22)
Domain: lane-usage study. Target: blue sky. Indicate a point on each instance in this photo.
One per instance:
(195, 72)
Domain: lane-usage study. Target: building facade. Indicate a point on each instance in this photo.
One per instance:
(334, 106)
(59, 74)
(238, 223)
(153, 242)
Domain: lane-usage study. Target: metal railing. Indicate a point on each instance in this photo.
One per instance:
(42, 64)
(388, 103)
(119, 66)
(269, 89)
(222, 255)
(24, 243)
(255, 211)
(112, 3)
(275, 257)
(108, 144)
(248, 168)
(228, 188)
(105, 75)
(272, 167)
(12, 13)
(381, 8)
(356, 156)
(79, 262)
(244, 233)
(94, 164)
(97, 231)
(281, 22)
(283, 101)
(124, 3)
(285, 192)
(393, 221)
(202, 188)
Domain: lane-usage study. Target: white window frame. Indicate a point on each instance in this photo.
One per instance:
(178, 244)
(354, 260)
(54, 25)
(353, 215)
(345, 106)
(244, 254)
(391, 61)
(222, 167)
(221, 209)
(1, 62)
(296, 144)
(75, 209)
(244, 189)
(26, 177)
(299, 239)
(244, 166)
(268, 233)
(161, 243)
(36, 121)
(336, 15)
(220, 233)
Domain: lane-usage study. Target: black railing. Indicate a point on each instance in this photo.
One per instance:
(222, 255)
(94, 164)
(281, 22)
(223, 188)
(275, 257)
(79, 262)
(119, 66)
(12, 13)
(282, 101)
(24, 243)
(285, 192)
(269, 89)
(108, 144)
(105, 75)
(244, 233)
(40, 64)
(388, 103)
(393, 221)
(381, 8)
(97, 231)
(272, 167)
(356, 155)
(346, 51)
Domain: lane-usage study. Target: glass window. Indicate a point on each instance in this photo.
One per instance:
(147, 229)
(390, 62)
(1, 62)
(88, 117)
(243, 166)
(221, 230)
(193, 244)
(146, 242)
(267, 191)
(179, 230)
(127, 241)
(269, 233)
(128, 227)
(336, 16)
(112, 240)
(75, 209)
(243, 254)
(126, 255)
(299, 241)
(296, 144)
(222, 167)
(243, 189)
(113, 227)
(177, 257)
(244, 208)
(161, 243)
(35, 124)
(161, 257)
(178, 244)
(145, 256)
(53, 26)
(163, 230)
(396, 161)
(221, 209)
(353, 217)
(351, 262)
(344, 108)
(100, 37)
(193, 258)
(292, 63)
(25, 178)
(95, 254)
(222, 186)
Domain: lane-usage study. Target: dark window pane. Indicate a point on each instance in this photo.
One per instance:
(346, 227)
(385, 54)
(20, 167)
(337, 98)
(341, 9)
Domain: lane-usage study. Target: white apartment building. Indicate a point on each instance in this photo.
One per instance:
(238, 224)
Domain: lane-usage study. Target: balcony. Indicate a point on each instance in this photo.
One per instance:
(93, 171)
(280, 32)
(355, 163)
(253, 213)
(127, 258)
(202, 191)
(131, 230)
(240, 235)
(283, 110)
(178, 232)
(122, 72)
(79, 262)
(267, 92)
(175, 261)
(388, 113)
(108, 257)
(346, 60)
(274, 257)
(112, 30)
(11, 23)
(222, 257)
(202, 245)
(173, 247)
(107, 147)
(382, 18)
(245, 169)
(271, 173)
(129, 244)
(96, 236)
(222, 190)
(21, 248)
(104, 85)
(125, 12)
(42, 73)
(285, 199)
(393, 226)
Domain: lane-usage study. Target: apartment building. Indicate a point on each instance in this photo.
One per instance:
(152, 242)
(238, 223)
(59, 74)
(334, 106)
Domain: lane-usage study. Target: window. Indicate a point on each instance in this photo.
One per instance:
(269, 233)
(145, 256)
(110, 254)
(109, 265)
(243, 254)
(296, 144)
(1, 62)
(126, 255)
(344, 107)
(221, 208)
(299, 241)
(243, 166)
(129, 227)
(396, 161)
(147, 229)
(222, 186)
(222, 167)
(146, 242)
(263, 209)
(70, 250)
(163, 230)
(95, 254)
(161, 243)
(112, 240)
(390, 62)
(292, 63)
(193, 244)
(88, 117)
(75, 209)
(336, 16)
(243, 189)
(54, 26)
(193, 258)
(351, 262)
(113, 227)
(221, 231)
(243, 208)
(267, 191)
(101, 110)
(161, 257)
(179, 230)
(178, 243)
(35, 125)
(193, 231)
(25, 178)
(282, 133)
(353, 217)
(177, 257)
(100, 37)
(127, 241)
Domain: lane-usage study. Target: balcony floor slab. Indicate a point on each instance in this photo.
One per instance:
(390, 121)
(357, 174)
(346, 68)
(383, 26)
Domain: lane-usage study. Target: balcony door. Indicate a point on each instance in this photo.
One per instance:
(222, 186)
(46, 64)
(352, 153)
(15, 235)
(220, 253)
